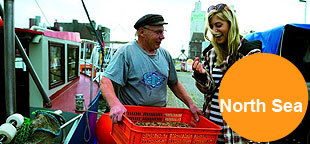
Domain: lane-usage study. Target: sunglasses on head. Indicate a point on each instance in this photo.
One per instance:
(218, 7)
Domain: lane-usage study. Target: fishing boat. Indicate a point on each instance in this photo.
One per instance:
(57, 70)
(55, 57)
(52, 70)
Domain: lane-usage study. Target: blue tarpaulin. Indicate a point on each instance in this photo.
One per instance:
(271, 38)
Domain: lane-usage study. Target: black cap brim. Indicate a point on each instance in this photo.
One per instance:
(158, 23)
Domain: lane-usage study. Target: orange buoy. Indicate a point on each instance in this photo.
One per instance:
(1, 23)
(103, 130)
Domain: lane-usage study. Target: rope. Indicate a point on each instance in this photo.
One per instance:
(42, 13)
(98, 38)
(87, 127)
(79, 106)
(101, 113)
(23, 133)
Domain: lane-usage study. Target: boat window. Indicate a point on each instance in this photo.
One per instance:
(56, 64)
(73, 55)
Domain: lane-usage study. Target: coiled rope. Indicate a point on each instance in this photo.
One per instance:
(23, 132)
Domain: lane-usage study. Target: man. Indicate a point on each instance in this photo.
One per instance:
(143, 70)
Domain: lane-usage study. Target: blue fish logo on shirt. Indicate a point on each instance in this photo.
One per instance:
(153, 80)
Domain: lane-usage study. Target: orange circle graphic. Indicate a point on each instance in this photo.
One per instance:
(263, 97)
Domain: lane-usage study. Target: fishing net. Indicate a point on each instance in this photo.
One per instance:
(23, 132)
(42, 129)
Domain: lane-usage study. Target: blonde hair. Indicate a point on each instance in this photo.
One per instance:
(233, 40)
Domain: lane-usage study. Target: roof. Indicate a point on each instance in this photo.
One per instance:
(198, 37)
(21, 29)
(72, 36)
(28, 31)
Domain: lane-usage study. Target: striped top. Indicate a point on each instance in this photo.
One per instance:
(215, 113)
(207, 83)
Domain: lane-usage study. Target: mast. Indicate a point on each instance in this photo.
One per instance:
(9, 57)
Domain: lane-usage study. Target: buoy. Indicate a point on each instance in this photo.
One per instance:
(8, 129)
(1, 23)
(8, 132)
(103, 130)
(17, 119)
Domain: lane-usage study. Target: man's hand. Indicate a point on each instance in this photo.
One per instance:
(196, 111)
(116, 113)
(197, 67)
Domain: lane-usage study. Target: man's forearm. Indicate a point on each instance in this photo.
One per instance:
(181, 93)
(108, 93)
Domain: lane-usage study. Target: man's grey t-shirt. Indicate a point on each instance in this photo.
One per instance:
(142, 77)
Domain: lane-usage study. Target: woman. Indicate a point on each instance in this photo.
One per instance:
(227, 47)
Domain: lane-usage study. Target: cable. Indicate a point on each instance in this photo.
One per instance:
(42, 12)
(101, 113)
(99, 40)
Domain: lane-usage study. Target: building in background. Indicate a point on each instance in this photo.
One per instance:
(104, 34)
(198, 19)
(196, 45)
(86, 30)
(197, 41)
(34, 21)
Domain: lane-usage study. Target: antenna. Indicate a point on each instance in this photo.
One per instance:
(42, 13)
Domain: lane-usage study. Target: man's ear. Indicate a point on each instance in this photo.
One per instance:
(141, 32)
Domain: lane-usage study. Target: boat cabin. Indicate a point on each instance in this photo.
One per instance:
(55, 57)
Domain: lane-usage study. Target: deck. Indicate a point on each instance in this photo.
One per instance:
(64, 99)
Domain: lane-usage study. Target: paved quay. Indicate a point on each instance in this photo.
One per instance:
(189, 84)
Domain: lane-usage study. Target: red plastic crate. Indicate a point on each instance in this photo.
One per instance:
(126, 132)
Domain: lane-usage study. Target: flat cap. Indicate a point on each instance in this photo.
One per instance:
(150, 19)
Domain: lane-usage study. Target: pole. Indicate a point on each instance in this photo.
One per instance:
(30, 68)
(306, 7)
(84, 57)
(91, 78)
(9, 58)
(32, 72)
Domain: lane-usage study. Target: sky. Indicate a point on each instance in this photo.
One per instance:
(121, 15)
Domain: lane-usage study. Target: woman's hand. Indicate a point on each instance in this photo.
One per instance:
(197, 66)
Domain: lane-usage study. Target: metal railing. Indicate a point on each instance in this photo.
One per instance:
(86, 62)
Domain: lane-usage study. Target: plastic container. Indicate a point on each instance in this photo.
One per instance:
(126, 132)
